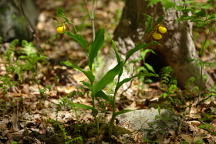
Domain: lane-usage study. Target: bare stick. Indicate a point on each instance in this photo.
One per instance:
(23, 13)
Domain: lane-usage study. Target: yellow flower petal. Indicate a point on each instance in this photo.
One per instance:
(61, 29)
(162, 29)
(156, 36)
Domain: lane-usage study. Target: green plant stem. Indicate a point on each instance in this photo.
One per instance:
(114, 107)
(92, 16)
(93, 19)
(95, 114)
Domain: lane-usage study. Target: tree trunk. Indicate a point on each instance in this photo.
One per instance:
(17, 19)
(176, 48)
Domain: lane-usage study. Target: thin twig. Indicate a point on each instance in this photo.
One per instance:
(32, 29)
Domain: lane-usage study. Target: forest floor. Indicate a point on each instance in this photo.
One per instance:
(38, 112)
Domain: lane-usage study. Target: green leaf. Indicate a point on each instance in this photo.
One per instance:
(118, 58)
(160, 19)
(121, 112)
(144, 52)
(60, 13)
(28, 48)
(88, 74)
(78, 38)
(153, 2)
(115, 50)
(148, 23)
(96, 46)
(13, 142)
(200, 13)
(83, 106)
(168, 4)
(11, 50)
(101, 94)
(150, 74)
(137, 48)
(88, 85)
(208, 127)
(149, 67)
(125, 81)
(107, 78)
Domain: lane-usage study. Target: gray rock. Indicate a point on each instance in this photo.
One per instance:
(17, 21)
(149, 123)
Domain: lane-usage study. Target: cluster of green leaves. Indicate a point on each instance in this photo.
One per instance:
(202, 13)
(6, 80)
(100, 99)
(19, 62)
(168, 83)
(211, 93)
(60, 129)
(96, 87)
(166, 3)
(208, 127)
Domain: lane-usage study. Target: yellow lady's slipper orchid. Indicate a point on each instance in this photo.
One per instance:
(162, 29)
(61, 29)
(156, 36)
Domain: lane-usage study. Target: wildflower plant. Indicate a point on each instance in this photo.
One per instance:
(19, 62)
(96, 87)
